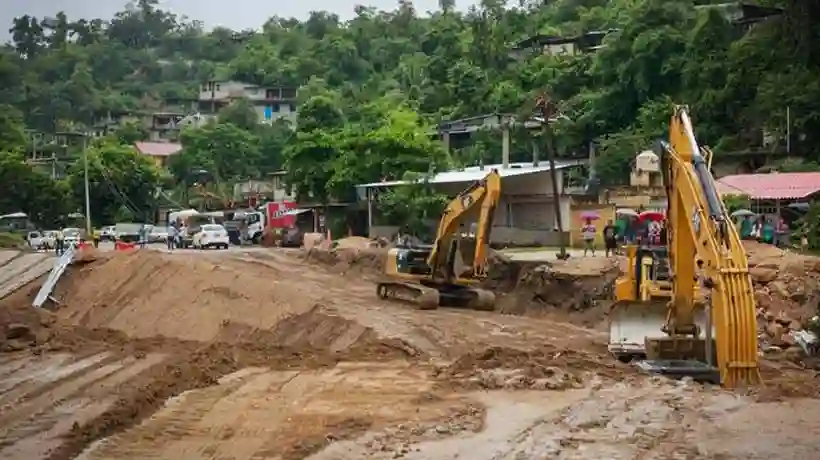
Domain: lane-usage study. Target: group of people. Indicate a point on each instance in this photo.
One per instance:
(636, 231)
(772, 230)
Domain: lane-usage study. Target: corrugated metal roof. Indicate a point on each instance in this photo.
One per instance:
(474, 173)
(158, 149)
(773, 186)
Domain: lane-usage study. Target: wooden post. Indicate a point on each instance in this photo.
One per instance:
(548, 110)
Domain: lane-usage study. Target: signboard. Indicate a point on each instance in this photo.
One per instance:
(277, 217)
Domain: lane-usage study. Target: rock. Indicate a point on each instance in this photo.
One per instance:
(779, 288)
(783, 319)
(774, 330)
(787, 340)
(793, 353)
(763, 275)
(17, 330)
(795, 326)
(442, 429)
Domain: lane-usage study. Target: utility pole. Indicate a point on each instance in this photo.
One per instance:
(548, 111)
(88, 228)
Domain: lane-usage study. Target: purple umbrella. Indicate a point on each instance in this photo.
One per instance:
(590, 215)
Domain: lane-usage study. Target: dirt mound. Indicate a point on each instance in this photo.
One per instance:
(787, 292)
(21, 325)
(369, 260)
(547, 368)
(571, 289)
(146, 294)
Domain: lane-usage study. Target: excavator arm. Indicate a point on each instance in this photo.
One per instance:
(484, 194)
(700, 228)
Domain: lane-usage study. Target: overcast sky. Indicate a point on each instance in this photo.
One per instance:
(236, 14)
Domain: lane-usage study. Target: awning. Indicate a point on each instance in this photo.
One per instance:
(295, 212)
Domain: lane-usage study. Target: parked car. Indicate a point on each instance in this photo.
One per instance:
(158, 235)
(50, 238)
(72, 235)
(211, 236)
(127, 232)
(108, 233)
(40, 240)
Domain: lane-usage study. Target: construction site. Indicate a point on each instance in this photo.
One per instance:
(289, 354)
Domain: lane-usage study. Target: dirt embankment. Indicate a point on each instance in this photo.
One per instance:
(577, 290)
(787, 293)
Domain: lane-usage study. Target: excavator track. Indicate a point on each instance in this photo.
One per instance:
(432, 297)
(424, 298)
(483, 300)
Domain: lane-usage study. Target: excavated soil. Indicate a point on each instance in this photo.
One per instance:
(262, 355)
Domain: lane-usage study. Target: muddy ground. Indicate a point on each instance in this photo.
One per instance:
(282, 355)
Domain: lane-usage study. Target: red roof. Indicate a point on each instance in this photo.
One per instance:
(158, 149)
(772, 186)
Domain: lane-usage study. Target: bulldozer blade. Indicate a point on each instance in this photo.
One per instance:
(633, 324)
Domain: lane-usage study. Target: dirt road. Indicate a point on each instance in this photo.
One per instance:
(265, 355)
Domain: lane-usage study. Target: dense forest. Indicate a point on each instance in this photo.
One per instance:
(371, 89)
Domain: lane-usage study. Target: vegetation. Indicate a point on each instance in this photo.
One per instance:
(372, 88)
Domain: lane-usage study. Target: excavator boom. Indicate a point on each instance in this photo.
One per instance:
(710, 319)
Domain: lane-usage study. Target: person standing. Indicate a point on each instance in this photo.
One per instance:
(143, 235)
(588, 233)
(610, 238)
(96, 236)
(171, 238)
(59, 242)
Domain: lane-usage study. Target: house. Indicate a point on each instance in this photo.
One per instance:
(270, 103)
(255, 192)
(525, 214)
(743, 14)
(770, 193)
(160, 152)
(552, 45)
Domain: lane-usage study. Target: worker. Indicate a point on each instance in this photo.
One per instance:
(96, 237)
(59, 242)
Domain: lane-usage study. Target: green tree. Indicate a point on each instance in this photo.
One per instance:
(224, 150)
(26, 189)
(118, 177)
(412, 206)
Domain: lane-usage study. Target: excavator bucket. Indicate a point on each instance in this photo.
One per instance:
(633, 323)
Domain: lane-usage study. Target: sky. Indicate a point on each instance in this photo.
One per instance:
(235, 14)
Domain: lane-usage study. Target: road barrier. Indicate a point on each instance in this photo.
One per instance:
(120, 246)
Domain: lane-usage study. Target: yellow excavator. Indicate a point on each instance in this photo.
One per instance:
(430, 276)
(687, 308)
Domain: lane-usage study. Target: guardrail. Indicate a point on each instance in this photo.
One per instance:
(56, 272)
